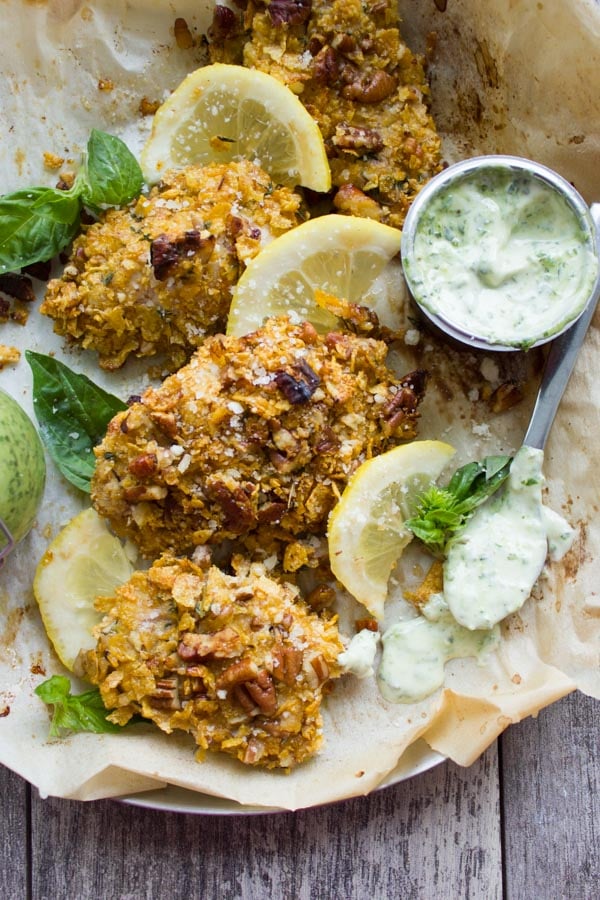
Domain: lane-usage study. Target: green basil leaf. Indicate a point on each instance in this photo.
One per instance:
(74, 712)
(440, 513)
(73, 414)
(35, 224)
(112, 175)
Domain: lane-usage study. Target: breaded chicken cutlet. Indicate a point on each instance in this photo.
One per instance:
(157, 276)
(237, 661)
(368, 93)
(256, 432)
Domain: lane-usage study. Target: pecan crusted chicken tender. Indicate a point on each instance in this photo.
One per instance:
(237, 661)
(156, 277)
(255, 432)
(349, 66)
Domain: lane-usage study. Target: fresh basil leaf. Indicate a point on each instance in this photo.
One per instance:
(73, 414)
(112, 175)
(74, 712)
(440, 513)
(35, 224)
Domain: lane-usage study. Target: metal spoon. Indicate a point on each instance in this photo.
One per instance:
(560, 362)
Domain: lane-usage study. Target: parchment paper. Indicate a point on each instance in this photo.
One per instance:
(507, 76)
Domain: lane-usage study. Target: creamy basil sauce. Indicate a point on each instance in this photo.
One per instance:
(489, 572)
(416, 650)
(492, 565)
(359, 656)
(501, 255)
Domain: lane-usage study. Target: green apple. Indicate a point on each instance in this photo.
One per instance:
(22, 469)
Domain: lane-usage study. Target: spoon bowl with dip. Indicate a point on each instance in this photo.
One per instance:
(500, 253)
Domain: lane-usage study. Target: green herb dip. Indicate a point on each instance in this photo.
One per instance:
(500, 254)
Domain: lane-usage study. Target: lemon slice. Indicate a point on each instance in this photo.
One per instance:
(221, 113)
(83, 562)
(347, 257)
(366, 531)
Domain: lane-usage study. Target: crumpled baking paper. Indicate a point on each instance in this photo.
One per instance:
(507, 76)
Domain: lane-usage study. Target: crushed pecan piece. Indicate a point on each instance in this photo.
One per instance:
(222, 644)
(17, 286)
(166, 252)
(357, 138)
(298, 384)
(370, 88)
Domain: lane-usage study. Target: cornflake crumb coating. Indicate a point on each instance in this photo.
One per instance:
(255, 433)
(348, 64)
(237, 661)
(156, 277)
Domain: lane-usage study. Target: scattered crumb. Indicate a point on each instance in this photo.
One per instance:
(52, 161)
(148, 107)
(183, 35)
(412, 337)
(489, 369)
(8, 355)
(105, 84)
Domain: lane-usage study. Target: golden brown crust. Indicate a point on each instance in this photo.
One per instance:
(347, 63)
(157, 277)
(255, 432)
(237, 661)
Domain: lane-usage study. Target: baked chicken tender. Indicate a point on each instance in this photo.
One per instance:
(368, 93)
(156, 277)
(255, 432)
(237, 661)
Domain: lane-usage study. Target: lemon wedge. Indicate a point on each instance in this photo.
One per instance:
(83, 562)
(345, 257)
(366, 530)
(221, 113)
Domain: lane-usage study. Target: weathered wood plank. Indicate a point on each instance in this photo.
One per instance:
(435, 835)
(551, 805)
(13, 835)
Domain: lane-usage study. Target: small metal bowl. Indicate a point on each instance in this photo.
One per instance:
(442, 321)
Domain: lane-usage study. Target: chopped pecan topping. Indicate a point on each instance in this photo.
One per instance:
(320, 668)
(326, 65)
(261, 692)
(4, 310)
(321, 597)
(17, 286)
(287, 663)
(237, 508)
(238, 672)
(370, 88)
(139, 492)
(166, 695)
(344, 42)
(299, 385)
(289, 12)
(225, 24)
(144, 465)
(166, 252)
(357, 138)
(271, 512)
(166, 421)
(222, 644)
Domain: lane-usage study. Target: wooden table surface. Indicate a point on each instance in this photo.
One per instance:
(523, 823)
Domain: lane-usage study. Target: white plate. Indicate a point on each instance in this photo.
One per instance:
(417, 759)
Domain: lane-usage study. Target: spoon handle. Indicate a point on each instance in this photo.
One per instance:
(559, 364)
